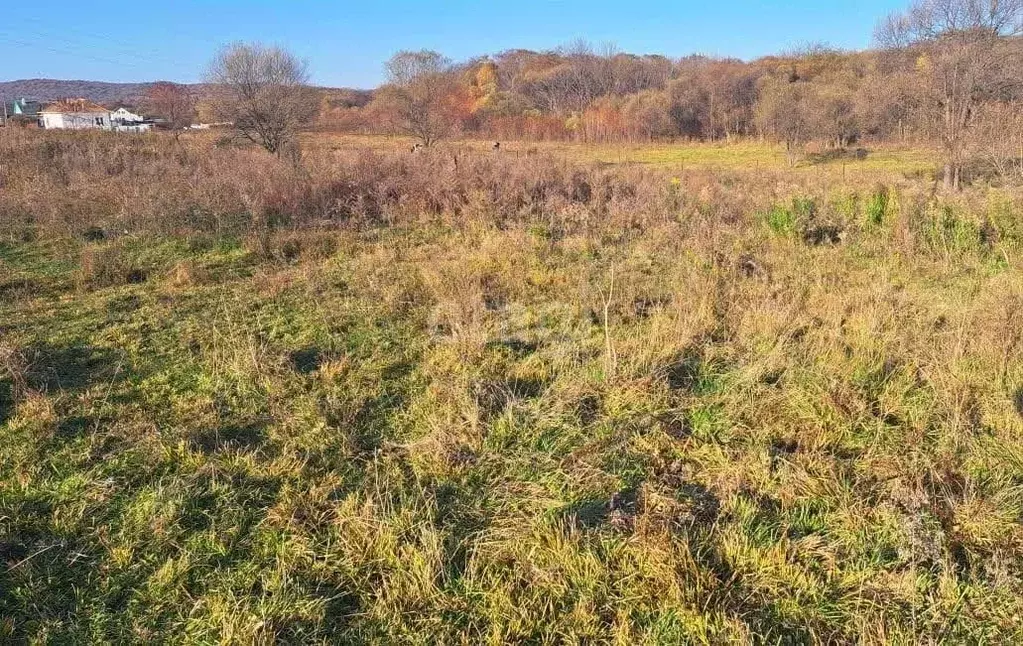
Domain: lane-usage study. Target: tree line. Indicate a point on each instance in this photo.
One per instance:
(948, 73)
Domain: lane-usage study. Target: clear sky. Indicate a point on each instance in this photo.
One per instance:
(347, 42)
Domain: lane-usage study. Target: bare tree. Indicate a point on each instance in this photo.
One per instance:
(732, 93)
(783, 112)
(176, 104)
(264, 91)
(648, 114)
(689, 108)
(832, 113)
(997, 138)
(551, 88)
(965, 59)
(887, 101)
(422, 97)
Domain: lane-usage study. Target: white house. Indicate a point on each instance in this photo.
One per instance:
(75, 114)
(123, 116)
(124, 120)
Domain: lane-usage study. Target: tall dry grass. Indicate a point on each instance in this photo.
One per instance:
(95, 184)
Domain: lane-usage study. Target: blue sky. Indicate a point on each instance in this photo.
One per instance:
(346, 43)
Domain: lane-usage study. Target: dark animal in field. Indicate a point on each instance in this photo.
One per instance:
(497, 145)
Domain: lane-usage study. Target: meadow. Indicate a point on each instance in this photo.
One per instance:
(562, 395)
(884, 160)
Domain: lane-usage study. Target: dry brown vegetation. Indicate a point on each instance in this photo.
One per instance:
(70, 183)
(463, 396)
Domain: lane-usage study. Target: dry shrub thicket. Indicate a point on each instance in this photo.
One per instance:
(60, 184)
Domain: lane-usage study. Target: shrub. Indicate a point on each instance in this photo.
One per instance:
(103, 267)
(946, 231)
(1004, 221)
(780, 220)
(876, 207)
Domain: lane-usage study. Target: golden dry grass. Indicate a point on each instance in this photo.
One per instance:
(747, 155)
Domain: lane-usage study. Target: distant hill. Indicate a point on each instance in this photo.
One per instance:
(51, 89)
(130, 93)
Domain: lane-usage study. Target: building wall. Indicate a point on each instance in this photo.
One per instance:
(52, 120)
(133, 127)
(76, 120)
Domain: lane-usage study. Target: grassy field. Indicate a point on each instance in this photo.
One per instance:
(377, 399)
(747, 155)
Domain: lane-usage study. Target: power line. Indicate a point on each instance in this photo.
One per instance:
(63, 46)
(80, 51)
(56, 50)
(106, 39)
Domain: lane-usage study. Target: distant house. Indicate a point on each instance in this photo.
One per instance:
(75, 114)
(24, 110)
(124, 116)
(124, 120)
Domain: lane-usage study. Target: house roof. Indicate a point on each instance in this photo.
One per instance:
(125, 111)
(23, 107)
(72, 105)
